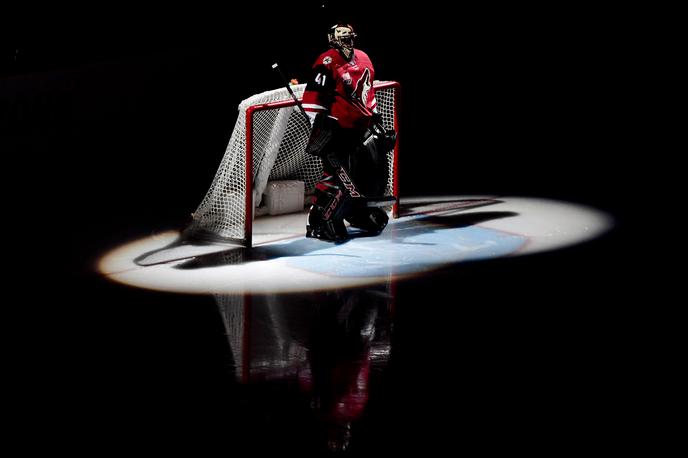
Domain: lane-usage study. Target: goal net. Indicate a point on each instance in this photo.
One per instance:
(268, 144)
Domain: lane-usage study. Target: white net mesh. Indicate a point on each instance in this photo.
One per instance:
(232, 311)
(279, 138)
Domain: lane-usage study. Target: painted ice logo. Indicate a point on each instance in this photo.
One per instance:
(327, 60)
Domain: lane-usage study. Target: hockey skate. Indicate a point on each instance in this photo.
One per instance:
(330, 231)
(372, 221)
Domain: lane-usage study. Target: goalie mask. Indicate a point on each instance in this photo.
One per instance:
(341, 36)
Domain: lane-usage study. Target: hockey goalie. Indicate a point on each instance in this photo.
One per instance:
(349, 137)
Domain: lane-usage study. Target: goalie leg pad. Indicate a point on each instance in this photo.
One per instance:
(321, 134)
(325, 229)
(331, 197)
(325, 219)
(369, 164)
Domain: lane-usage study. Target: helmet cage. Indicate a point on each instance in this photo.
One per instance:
(341, 38)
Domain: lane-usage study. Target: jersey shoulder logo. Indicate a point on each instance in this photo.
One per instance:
(327, 60)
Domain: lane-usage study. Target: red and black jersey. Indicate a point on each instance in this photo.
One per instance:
(343, 89)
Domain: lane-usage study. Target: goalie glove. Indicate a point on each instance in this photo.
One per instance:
(384, 139)
(320, 134)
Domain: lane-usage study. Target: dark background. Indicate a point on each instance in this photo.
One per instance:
(113, 125)
(497, 101)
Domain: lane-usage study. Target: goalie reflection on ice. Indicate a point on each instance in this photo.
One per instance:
(349, 137)
(321, 349)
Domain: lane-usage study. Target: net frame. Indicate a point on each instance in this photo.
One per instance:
(269, 132)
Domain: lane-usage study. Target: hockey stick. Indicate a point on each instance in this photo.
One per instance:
(288, 86)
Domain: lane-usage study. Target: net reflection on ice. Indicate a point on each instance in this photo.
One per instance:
(324, 346)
